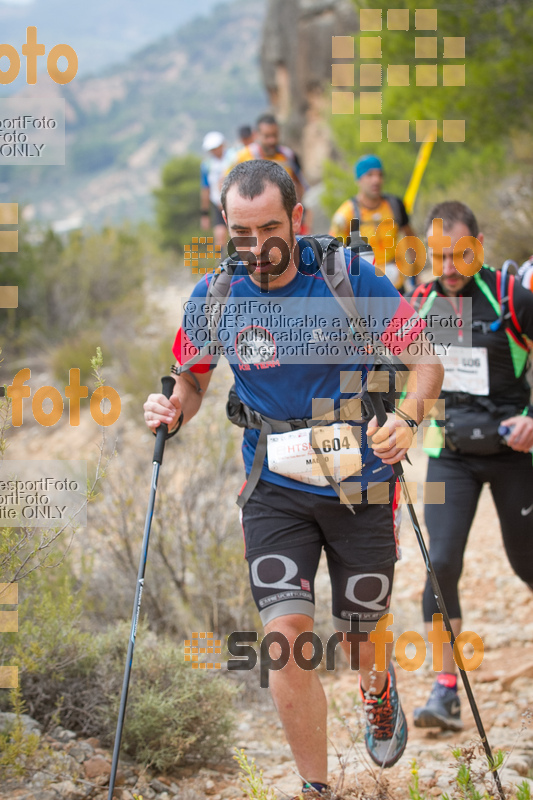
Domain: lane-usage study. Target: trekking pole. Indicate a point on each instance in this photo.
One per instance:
(379, 409)
(167, 386)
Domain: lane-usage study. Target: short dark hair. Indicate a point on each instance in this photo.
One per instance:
(244, 131)
(250, 178)
(450, 212)
(266, 119)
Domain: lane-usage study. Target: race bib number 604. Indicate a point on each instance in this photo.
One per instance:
(293, 454)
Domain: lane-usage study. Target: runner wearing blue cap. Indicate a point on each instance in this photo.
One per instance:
(371, 207)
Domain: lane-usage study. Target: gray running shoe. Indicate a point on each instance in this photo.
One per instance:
(386, 726)
(442, 710)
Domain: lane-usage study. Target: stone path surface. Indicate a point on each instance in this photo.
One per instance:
(498, 607)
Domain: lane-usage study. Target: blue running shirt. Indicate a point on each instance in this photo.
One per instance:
(290, 345)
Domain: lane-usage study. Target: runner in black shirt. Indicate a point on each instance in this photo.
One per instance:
(484, 387)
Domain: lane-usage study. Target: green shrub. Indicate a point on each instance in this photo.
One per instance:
(251, 779)
(177, 202)
(77, 352)
(139, 368)
(196, 577)
(17, 747)
(74, 678)
(175, 713)
(55, 657)
(93, 280)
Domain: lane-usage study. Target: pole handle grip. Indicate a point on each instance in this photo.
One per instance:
(376, 400)
(167, 385)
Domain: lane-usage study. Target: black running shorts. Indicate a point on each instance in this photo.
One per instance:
(285, 531)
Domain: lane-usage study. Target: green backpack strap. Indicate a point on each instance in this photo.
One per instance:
(433, 435)
(337, 279)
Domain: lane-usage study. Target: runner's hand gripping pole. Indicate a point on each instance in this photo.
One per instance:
(381, 415)
(167, 385)
(161, 436)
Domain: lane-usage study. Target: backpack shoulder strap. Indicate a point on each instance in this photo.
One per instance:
(420, 295)
(506, 320)
(505, 285)
(504, 289)
(422, 290)
(355, 240)
(337, 279)
(394, 203)
(329, 256)
(321, 244)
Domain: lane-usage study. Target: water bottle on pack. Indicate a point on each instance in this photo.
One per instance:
(505, 432)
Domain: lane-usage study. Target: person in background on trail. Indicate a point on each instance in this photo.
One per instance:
(484, 387)
(371, 206)
(246, 137)
(211, 172)
(267, 146)
(289, 517)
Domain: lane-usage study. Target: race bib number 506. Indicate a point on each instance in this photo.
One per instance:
(466, 369)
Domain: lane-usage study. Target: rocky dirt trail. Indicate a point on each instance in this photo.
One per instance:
(497, 606)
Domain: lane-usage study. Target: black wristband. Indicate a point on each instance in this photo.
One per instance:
(204, 212)
(176, 429)
(178, 426)
(410, 421)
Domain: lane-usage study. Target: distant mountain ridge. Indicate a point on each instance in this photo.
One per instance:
(102, 33)
(125, 123)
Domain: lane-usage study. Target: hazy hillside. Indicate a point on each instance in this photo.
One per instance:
(125, 123)
(102, 33)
